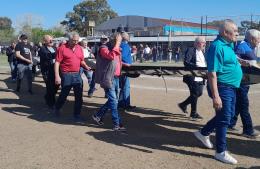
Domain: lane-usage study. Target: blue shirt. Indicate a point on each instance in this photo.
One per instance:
(126, 52)
(245, 51)
(222, 59)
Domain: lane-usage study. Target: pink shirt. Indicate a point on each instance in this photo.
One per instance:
(115, 54)
(69, 59)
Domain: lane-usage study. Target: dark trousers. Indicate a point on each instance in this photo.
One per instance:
(222, 118)
(196, 90)
(51, 87)
(124, 95)
(22, 70)
(68, 81)
(242, 108)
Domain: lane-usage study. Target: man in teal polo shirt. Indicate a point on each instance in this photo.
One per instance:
(224, 76)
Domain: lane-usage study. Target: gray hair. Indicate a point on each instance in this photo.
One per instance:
(84, 41)
(252, 33)
(71, 35)
(200, 39)
(125, 36)
(226, 26)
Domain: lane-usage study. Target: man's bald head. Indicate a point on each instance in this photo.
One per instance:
(47, 39)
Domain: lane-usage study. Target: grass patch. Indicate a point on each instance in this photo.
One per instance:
(3, 61)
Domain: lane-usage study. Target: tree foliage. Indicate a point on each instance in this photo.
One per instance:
(216, 23)
(88, 10)
(242, 28)
(38, 33)
(245, 25)
(6, 30)
(5, 23)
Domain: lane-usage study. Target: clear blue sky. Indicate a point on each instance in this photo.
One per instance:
(53, 11)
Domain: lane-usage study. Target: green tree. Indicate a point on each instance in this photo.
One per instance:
(216, 23)
(6, 30)
(5, 23)
(38, 33)
(88, 10)
(245, 25)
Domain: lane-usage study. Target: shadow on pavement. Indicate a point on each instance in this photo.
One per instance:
(155, 130)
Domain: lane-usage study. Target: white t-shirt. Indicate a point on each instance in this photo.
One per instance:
(147, 50)
(86, 53)
(200, 62)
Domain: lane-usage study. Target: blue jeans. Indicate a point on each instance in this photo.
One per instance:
(124, 95)
(68, 81)
(242, 108)
(111, 103)
(222, 118)
(13, 67)
(91, 79)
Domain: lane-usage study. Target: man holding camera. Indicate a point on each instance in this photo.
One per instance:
(108, 70)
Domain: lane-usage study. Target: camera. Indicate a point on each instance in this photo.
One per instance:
(120, 29)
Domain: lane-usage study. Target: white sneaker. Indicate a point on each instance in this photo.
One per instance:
(204, 139)
(225, 157)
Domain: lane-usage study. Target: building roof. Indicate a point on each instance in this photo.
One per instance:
(141, 22)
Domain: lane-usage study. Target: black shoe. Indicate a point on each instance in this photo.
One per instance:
(79, 119)
(30, 91)
(196, 116)
(130, 107)
(253, 135)
(17, 90)
(56, 112)
(183, 108)
(90, 95)
(51, 107)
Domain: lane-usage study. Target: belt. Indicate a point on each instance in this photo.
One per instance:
(70, 72)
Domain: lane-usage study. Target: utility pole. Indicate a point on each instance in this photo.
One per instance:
(170, 32)
(206, 25)
(251, 21)
(169, 41)
(201, 25)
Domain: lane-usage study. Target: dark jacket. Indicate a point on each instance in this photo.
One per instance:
(190, 58)
(46, 58)
(190, 63)
(11, 54)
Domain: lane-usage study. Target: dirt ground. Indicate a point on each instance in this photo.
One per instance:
(159, 135)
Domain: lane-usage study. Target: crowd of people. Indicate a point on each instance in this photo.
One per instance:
(62, 67)
(155, 53)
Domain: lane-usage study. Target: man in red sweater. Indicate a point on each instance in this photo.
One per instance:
(69, 58)
(111, 54)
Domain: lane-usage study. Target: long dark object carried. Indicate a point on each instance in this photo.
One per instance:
(251, 74)
(136, 70)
